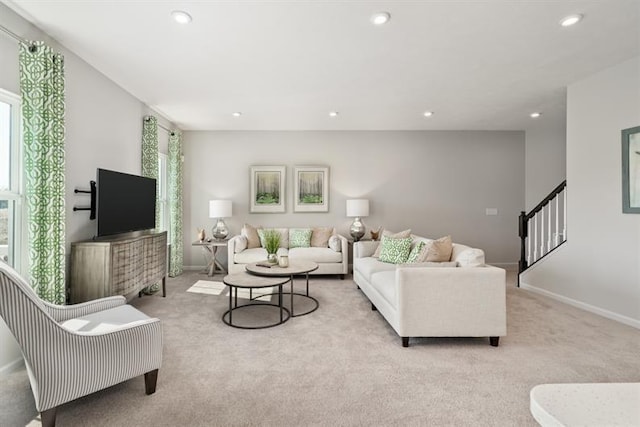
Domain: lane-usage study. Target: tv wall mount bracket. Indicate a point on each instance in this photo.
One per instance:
(92, 192)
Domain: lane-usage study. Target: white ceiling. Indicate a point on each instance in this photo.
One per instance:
(481, 65)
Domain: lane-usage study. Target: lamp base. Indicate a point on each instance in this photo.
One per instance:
(357, 229)
(220, 231)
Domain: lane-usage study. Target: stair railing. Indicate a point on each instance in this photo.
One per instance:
(543, 229)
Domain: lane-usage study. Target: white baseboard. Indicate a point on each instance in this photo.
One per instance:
(12, 366)
(193, 267)
(584, 306)
(506, 265)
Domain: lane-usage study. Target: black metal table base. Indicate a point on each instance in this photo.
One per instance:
(292, 312)
(234, 307)
(280, 322)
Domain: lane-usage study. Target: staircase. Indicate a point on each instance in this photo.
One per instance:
(543, 229)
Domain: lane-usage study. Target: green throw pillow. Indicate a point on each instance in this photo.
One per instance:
(415, 252)
(300, 238)
(395, 251)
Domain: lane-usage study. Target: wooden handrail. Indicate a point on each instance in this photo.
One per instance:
(547, 199)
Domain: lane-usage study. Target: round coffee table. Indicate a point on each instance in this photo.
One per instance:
(294, 268)
(251, 282)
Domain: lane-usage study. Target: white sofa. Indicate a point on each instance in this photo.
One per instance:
(329, 260)
(427, 301)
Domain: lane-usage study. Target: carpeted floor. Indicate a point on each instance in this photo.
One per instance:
(344, 366)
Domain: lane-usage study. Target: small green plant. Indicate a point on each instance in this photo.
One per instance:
(271, 241)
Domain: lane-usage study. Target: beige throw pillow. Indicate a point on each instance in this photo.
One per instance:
(391, 235)
(320, 237)
(251, 233)
(335, 244)
(439, 250)
(241, 244)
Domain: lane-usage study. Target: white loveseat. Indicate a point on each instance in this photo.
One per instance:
(417, 300)
(330, 260)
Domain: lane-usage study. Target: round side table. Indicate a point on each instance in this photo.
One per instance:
(251, 282)
(294, 268)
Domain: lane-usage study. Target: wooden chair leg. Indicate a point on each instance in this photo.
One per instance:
(494, 341)
(150, 380)
(405, 341)
(48, 417)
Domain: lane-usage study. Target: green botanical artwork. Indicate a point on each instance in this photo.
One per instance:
(310, 190)
(267, 188)
(42, 88)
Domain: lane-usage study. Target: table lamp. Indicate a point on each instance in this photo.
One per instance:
(220, 209)
(357, 208)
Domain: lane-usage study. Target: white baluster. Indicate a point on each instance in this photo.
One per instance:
(556, 240)
(549, 229)
(529, 241)
(542, 251)
(535, 237)
(564, 222)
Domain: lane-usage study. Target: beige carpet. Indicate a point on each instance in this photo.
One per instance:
(344, 366)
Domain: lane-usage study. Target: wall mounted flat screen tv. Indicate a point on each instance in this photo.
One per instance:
(125, 202)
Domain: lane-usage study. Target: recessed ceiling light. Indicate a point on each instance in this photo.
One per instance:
(428, 113)
(333, 114)
(570, 20)
(236, 114)
(535, 115)
(380, 18)
(181, 17)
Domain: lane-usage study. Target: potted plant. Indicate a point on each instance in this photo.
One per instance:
(271, 244)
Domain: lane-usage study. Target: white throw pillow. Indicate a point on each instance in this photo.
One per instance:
(471, 257)
(241, 244)
(335, 244)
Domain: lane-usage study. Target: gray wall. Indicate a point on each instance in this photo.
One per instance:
(545, 158)
(598, 266)
(435, 183)
(103, 129)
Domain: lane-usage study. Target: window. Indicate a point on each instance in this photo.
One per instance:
(163, 200)
(11, 193)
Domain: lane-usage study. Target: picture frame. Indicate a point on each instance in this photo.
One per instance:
(267, 189)
(631, 170)
(311, 189)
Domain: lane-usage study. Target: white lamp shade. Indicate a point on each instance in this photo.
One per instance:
(357, 207)
(219, 208)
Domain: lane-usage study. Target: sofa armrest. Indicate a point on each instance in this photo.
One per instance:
(231, 249)
(344, 247)
(364, 249)
(453, 301)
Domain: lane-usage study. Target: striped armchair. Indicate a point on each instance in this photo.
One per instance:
(72, 351)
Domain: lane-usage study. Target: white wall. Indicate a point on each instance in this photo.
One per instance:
(599, 267)
(546, 159)
(103, 129)
(435, 183)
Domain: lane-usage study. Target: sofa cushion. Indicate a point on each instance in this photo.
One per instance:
(251, 233)
(320, 237)
(385, 283)
(335, 244)
(470, 257)
(369, 265)
(439, 250)
(395, 251)
(240, 244)
(319, 255)
(400, 235)
(255, 255)
(416, 251)
(430, 264)
(299, 237)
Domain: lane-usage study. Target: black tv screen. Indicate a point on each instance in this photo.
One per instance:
(125, 202)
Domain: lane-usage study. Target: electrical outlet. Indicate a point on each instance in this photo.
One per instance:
(491, 211)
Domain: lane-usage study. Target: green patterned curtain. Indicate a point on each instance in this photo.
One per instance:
(43, 109)
(150, 169)
(150, 155)
(175, 202)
